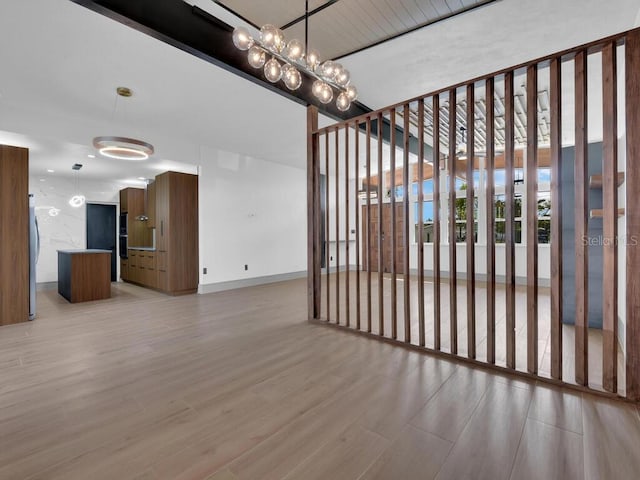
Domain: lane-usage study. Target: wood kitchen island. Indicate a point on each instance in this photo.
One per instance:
(84, 275)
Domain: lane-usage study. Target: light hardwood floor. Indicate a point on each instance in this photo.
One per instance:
(237, 385)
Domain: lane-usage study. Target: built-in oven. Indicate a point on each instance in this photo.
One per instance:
(123, 224)
(124, 246)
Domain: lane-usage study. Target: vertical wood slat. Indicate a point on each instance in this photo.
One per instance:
(632, 106)
(356, 204)
(314, 252)
(436, 224)
(368, 251)
(337, 173)
(556, 217)
(491, 233)
(453, 267)
(327, 255)
(380, 232)
(347, 312)
(581, 223)
(610, 220)
(394, 278)
(509, 222)
(406, 235)
(470, 224)
(420, 239)
(532, 218)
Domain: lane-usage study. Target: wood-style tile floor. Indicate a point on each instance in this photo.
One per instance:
(237, 385)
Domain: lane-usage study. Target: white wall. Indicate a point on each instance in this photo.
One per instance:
(252, 212)
(67, 230)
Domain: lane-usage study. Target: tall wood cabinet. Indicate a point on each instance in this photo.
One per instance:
(132, 202)
(14, 235)
(176, 198)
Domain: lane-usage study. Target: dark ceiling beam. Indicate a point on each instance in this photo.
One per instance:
(199, 33)
(236, 14)
(311, 13)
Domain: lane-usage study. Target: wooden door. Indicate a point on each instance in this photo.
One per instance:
(387, 232)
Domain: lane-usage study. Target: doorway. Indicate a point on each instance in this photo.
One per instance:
(387, 232)
(101, 231)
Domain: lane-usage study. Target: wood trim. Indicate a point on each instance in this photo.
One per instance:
(368, 251)
(326, 225)
(406, 235)
(337, 173)
(347, 312)
(581, 180)
(510, 314)
(453, 266)
(491, 235)
(470, 225)
(380, 227)
(632, 88)
(356, 203)
(420, 239)
(437, 317)
(313, 216)
(392, 179)
(610, 221)
(556, 218)
(532, 219)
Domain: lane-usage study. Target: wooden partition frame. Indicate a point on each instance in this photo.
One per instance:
(609, 183)
(632, 88)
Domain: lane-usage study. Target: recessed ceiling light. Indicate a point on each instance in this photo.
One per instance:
(50, 171)
(91, 156)
(42, 180)
(141, 178)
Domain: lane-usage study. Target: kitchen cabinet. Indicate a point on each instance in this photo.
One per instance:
(84, 275)
(150, 208)
(141, 268)
(177, 232)
(132, 202)
(14, 235)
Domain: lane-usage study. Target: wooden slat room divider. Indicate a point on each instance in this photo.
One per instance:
(447, 160)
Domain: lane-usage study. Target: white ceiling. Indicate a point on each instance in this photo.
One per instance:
(476, 43)
(61, 64)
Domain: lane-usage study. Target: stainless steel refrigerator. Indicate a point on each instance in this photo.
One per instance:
(34, 252)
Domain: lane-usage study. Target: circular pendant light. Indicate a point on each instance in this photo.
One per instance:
(123, 148)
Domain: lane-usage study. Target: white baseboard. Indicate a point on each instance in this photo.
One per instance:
(249, 282)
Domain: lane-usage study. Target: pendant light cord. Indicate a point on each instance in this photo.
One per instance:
(306, 28)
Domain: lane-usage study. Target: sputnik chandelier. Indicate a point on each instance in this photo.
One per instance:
(287, 59)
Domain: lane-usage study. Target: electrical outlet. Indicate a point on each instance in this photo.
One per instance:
(204, 271)
(246, 267)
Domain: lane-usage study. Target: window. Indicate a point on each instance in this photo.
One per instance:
(427, 219)
(500, 214)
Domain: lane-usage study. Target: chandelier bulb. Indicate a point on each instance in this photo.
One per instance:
(326, 93)
(242, 39)
(295, 50)
(256, 57)
(342, 102)
(272, 38)
(272, 70)
(313, 59)
(291, 77)
(352, 93)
